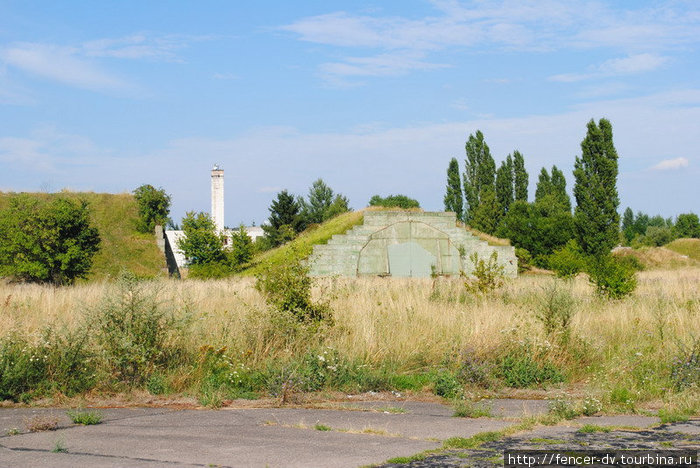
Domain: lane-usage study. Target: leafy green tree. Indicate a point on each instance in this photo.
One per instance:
(628, 225)
(520, 176)
(320, 200)
(154, 207)
(687, 225)
(505, 185)
(285, 219)
(479, 173)
(544, 185)
(453, 192)
(596, 219)
(322, 204)
(558, 182)
(485, 218)
(241, 247)
(394, 201)
(47, 242)
(340, 205)
(201, 244)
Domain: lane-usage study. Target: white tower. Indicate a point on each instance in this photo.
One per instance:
(217, 197)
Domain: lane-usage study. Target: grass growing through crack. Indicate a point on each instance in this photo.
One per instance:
(322, 427)
(468, 409)
(86, 418)
(591, 428)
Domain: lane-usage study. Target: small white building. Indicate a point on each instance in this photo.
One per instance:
(217, 215)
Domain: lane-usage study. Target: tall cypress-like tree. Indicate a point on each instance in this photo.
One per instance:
(628, 224)
(596, 219)
(505, 186)
(453, 192)
(559, 188)
(479, 172)
(285, 219)
(520, 177)
(544, 185)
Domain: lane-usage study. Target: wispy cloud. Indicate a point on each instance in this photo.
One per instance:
(81, 65)
(61, 64)
(670, 164)
(638, 63)
(530, 25)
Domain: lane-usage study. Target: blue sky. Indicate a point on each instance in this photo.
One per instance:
(374, 97)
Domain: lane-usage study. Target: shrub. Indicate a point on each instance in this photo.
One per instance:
(568, 261)
(610, 278)
(631, 262)
(476, 370)
(562, 409)
(555, 309)
(487, 275)
(136, 332)
(658, 235)
(287, 288)
(591, 406)
(394, 201)
(518, 369)
(50, 242)
(212, 270)
(447, 385)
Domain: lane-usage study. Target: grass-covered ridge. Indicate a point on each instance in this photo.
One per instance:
(687, 247)
(122, 247)
(303, 245)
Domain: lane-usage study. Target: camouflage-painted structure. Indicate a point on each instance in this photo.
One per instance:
(406, 244)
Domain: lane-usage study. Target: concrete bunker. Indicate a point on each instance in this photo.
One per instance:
(406, 244)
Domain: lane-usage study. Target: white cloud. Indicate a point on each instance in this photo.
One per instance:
(670, 164)
(61, 64)
(528, 25)
(631, 64)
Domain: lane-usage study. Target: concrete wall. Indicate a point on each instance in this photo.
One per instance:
(407, 244)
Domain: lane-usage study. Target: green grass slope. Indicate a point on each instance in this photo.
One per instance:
(687, 247)
(304, 243)
(122, 247)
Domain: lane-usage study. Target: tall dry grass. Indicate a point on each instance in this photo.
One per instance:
(411, 323)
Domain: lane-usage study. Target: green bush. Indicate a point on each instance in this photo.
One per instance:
(47, 242)
(610, 278)
(568, 261)
(154, 207)
(524, 259)
(214, 270)
(518, 369)
(488, 276)
(287, 289)
(446, 385)
(86, 418)
(394, 201)
(135, 330)
(631, 262)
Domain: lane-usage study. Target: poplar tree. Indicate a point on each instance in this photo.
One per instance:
(558, 182)
(544, 185)
(453, 195)
(505, 186)
(520, 177)
(479, 173)
(596, 219)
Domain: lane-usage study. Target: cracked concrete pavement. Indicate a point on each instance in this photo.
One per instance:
(359, 433)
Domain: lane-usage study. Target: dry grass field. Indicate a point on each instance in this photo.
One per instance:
(409, 334)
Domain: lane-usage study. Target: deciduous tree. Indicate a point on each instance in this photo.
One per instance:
(453, 192)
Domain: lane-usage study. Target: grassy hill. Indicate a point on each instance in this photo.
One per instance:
(688, 247)
(304, 243)
(122, 247)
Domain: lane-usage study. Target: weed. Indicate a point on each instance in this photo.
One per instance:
(156, 384)
(685, 369)
(406, 460)
(538, 440)
(390, 410)
(59, 447)
(591, 428)
(622, 396)
(476, 370)
(447, 385)
(519, 370)
(41, 423)
(472, 442)
(136, 332)
(322, 427)
(12, 431)
(562, 409)
(672, 416)
(591, 406)
(555, 311)
(467, 409)
(86, 418)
